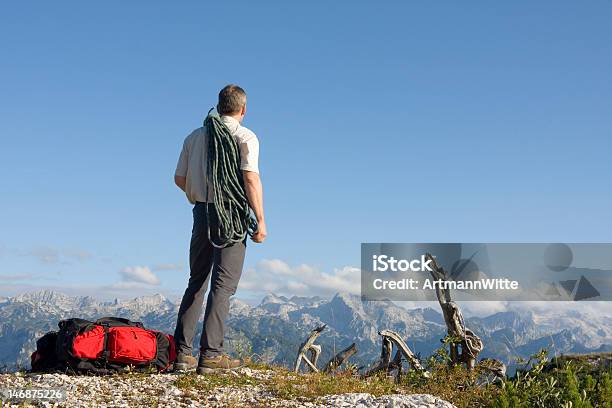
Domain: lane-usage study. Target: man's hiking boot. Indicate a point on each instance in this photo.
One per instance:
(185, 362)
(222, 362)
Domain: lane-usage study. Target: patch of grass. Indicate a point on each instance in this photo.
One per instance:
(456, 384)
(573, 384)
(453, 384)
(288, 385)
(253, 363)
(149, 400)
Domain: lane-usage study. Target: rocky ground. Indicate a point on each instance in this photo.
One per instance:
(244, 388)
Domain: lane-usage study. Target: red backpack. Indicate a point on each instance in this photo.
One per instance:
(107, 345)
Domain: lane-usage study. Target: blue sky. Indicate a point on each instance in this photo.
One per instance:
(388, 122)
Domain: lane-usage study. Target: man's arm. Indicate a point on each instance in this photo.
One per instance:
(180, 175)
(254, 192)
(180, 181)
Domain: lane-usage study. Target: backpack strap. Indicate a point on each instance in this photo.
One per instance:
(105, 351)
(118, 322)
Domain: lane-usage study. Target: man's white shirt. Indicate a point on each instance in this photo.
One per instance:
(193, 158)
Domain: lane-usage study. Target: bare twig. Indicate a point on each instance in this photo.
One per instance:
(340, 358)
(308, 347)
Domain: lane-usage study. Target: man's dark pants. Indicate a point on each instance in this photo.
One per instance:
(223, 267)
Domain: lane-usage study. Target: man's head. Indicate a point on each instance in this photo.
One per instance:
(232, 102)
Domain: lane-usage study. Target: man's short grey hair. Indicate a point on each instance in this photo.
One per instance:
(232, 99)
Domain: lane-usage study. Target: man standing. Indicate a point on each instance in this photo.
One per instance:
(221, 265)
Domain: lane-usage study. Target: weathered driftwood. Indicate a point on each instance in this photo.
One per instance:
(385, 363)
(308, 347)
(403, 348)
(309, 353)
(464, 344)
(340, 358)
(467, 345)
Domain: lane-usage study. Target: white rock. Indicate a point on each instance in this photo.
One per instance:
(137, 391)
(363, 400)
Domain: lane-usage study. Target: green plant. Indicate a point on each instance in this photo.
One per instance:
(570, 385)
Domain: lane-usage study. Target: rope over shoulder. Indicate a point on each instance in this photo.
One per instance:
(223, 172)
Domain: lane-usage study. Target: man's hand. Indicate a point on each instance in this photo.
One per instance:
(254, 192)
(260, 234)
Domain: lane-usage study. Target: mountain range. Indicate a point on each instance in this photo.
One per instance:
(274, 329)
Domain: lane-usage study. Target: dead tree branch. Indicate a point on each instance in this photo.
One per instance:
(469, 345)
(308, 347)
(340, 358)
(391, 338)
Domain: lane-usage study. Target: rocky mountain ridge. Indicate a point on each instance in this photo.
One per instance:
(273, 330)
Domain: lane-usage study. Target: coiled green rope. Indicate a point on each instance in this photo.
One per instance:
(223, 171)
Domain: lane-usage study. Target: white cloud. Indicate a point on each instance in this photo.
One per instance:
(135, 275)
(76, 253)
(274, 275)
(487, 308)
(603, 308)
(483, 308)
(45, 254)
(51, 255)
